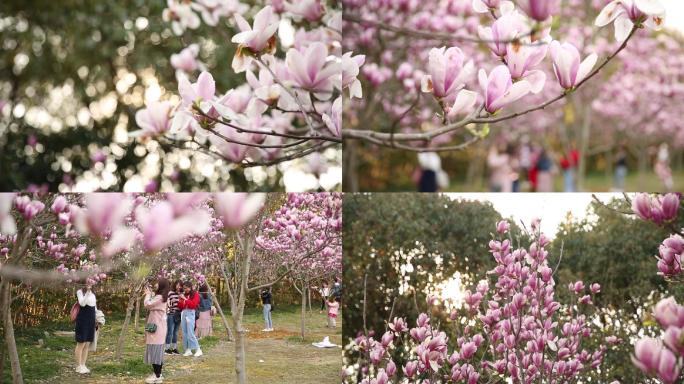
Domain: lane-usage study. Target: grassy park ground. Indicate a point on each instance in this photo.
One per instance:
(275, 357)
(596, 182)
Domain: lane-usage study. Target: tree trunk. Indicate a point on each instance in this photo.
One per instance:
(122, 336)
(137, 312)
(308, 298)
(220, 311)
(583, 148)
(6, 291)
(303, 325)
(351, 172)
(643, 165)
(240, 364)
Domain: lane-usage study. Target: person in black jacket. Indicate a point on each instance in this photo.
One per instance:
(266, 300)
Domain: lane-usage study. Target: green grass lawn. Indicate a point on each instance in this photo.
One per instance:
(596, 182)
(274, 357)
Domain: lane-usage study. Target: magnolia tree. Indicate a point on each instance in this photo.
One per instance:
(308, 224)
(288, 107)
(267, 238)
(445, 71)
(510, 328)
(662, 357)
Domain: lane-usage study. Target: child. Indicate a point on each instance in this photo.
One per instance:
(333, 309)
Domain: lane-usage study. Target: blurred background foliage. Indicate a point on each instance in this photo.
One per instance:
(608, 247)
(72, 75)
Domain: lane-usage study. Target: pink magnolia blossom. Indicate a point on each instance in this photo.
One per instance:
(181, 16)
(231, 151)
(625, 14)
(658, 209)
(257, 39)
(186, 60)
(539, 10)
(236, 209)
(499, 89)
(203, 90)
(59, 204)
(102, 213)
(448, 72)
(350, 71)
(160, 227)
(310, 70)
(522, 58)
(567, 66)
(155, 119)
(311, 10)
(503, 31)
(334, 120)
(484, 6)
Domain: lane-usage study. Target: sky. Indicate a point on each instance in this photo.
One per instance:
(675, 14)
(551, 208)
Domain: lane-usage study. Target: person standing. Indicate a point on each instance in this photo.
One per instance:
(266, 301)
(337, 290)
(188, 303)
(85, 326)
(325, 293)
(333, 310)
(544, 172)
(204, 327)
(155, 328)
(173, 319)
(620, 169)
(500, 170)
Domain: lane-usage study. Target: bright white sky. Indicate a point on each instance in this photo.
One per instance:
(675, 14)
(551, 208)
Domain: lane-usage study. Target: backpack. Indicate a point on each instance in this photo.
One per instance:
(75, 309)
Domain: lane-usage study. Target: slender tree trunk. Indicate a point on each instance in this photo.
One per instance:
(643, 165)
(308, 298)
(351, 172)
(2, 345)
(583, 147)
(137, 312)
(303, 323)
(122, 336)
(220, 311)
(240, 364)
(6, 291)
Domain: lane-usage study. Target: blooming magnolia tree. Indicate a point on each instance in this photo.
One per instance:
(510, 329)
(308, 224)
(290, 105)
(663, 357)
(446, 72)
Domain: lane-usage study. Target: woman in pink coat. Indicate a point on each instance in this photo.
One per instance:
(155, 303)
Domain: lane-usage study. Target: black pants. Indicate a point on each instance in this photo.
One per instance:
(157, 369)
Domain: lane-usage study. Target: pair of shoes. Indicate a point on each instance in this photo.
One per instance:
(168, 352)
(198, 353)
(175, 351)
(188, 352)
(265, 330)
(270, 329)
(82, 369)
(153, 379)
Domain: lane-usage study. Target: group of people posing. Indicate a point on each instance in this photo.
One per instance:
(170, 308)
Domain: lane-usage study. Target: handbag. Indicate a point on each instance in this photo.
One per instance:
(75, 309)
(151, 327)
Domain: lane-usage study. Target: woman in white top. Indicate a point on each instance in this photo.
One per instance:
(324, 292)
(85, 327)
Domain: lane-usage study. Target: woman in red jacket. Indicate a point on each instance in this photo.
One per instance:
(188, 302)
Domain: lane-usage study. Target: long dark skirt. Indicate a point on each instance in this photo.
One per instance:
(85, 325)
